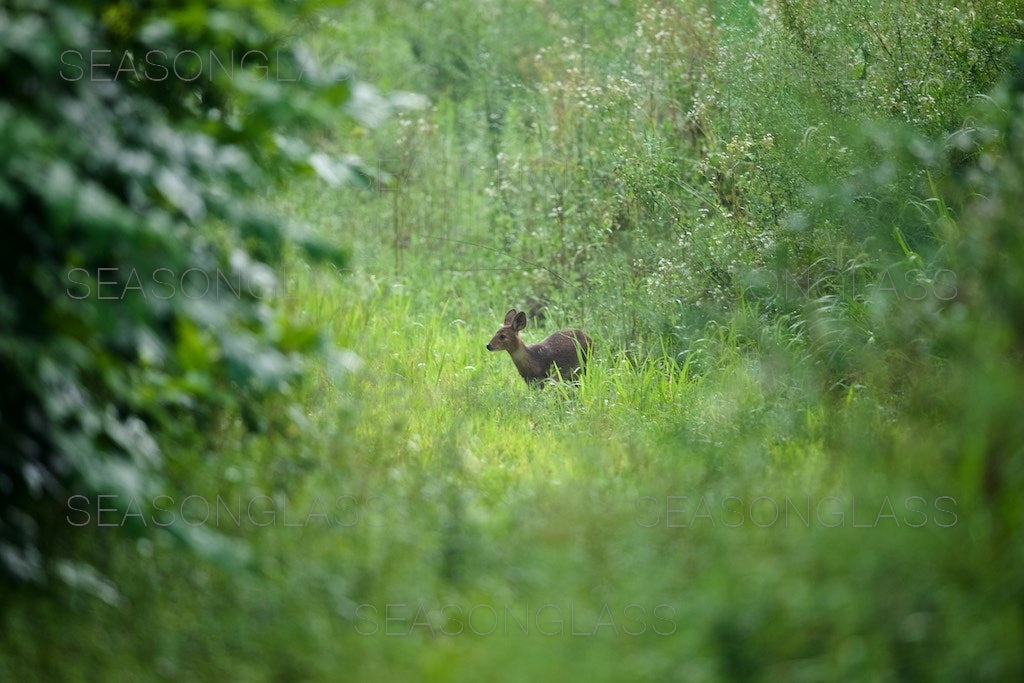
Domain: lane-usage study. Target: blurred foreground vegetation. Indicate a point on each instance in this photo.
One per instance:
(793, 230)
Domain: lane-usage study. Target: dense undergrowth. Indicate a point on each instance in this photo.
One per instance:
(794, 232)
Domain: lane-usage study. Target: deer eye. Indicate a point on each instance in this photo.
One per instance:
(501, 337)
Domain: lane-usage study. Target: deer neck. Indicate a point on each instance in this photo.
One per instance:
(525, 361)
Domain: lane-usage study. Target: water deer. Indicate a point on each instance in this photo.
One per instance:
(557, 356)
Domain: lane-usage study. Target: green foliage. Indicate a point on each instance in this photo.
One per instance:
(793, 230)
(136, 289)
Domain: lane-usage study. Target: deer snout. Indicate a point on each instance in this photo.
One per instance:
(489, 347)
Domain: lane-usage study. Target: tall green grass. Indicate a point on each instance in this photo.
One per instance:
(654, 484)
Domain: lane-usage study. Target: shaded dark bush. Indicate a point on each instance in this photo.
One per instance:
(136, 277)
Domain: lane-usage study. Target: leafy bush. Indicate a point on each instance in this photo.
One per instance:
(137, 283)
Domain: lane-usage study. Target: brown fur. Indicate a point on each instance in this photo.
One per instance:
(555, 356)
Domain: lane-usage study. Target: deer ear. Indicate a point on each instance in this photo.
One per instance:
(520, 321)
(510, 316)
